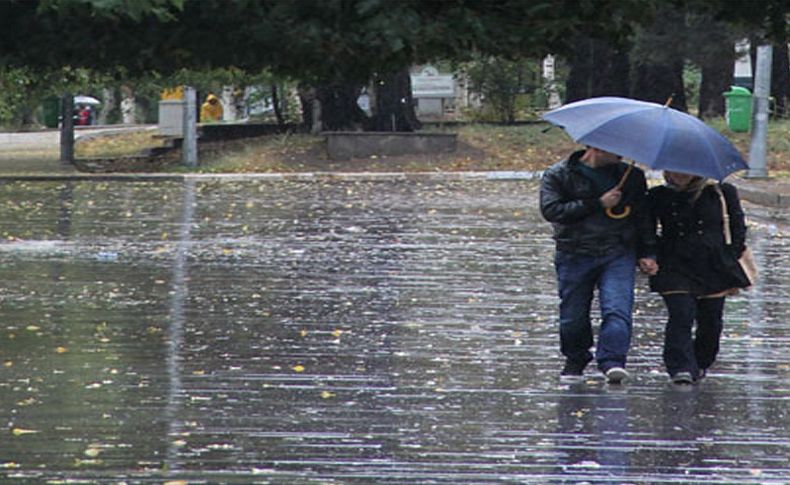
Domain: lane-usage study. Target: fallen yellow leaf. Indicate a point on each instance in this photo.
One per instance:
(298, 368)
(92, 452)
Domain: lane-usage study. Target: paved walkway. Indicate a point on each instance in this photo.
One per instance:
(386, 330)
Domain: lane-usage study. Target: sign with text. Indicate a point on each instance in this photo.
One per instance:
(430, 84)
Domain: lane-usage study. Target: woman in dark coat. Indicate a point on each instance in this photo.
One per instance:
(697, 269)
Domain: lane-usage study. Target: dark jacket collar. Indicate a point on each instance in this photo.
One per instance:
(574, 160)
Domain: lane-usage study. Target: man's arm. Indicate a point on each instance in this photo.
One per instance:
(558, 206)
(646, 229)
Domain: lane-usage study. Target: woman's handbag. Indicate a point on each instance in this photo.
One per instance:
(746, 260)
(748, 265)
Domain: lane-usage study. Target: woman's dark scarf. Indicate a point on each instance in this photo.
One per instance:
(695, 186)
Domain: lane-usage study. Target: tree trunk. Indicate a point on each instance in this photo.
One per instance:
(657, 82)
(306, 99)
(278, 112)
(596, 69)
(339, 109)
(336, 105)
(128, 102)
(780, 78)
(716, 79)
(228, 103)
(394, 105)
(107, 106)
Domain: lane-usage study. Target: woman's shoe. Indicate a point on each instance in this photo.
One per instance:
(682, 378)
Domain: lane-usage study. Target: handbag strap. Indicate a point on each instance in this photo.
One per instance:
(725, 216)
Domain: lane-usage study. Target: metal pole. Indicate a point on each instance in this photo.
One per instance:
(67, 129)
(762, 90)
(189, 149)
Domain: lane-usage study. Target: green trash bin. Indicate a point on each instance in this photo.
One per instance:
(51, 111)
(739, 109)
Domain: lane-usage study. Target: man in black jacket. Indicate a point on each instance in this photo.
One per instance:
(594, 202)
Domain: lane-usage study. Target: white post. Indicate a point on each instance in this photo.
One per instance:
(128, 103)
(762, 90)
(189, 150)
(550, 83)
(318, 123)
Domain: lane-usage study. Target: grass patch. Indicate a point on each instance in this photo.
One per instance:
(116, 144)
(481, 148)
(290, 152)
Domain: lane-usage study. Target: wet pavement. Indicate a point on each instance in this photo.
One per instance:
(333, 331)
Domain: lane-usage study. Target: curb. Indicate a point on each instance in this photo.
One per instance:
(234, 177)
(747, 192)
(762, 197)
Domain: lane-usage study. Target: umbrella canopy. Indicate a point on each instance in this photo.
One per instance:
(649, 133)
(86, 100)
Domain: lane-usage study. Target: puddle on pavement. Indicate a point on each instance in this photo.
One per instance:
(347, 332)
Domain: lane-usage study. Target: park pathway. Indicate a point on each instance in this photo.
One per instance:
(37, 152)
(320, 330)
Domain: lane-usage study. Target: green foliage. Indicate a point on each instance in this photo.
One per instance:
(769, 19)
(136, 10)
(692, 78)
(345, 40)
(506, 87)
(318, 42)
(25, 88)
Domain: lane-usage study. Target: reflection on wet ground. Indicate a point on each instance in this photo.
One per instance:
(327, 331)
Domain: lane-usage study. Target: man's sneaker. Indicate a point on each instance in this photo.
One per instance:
(682, 378)
(616, 375)
(572, 372)
(702, 373)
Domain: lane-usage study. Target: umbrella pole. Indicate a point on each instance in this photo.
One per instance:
(620, 184)
(626, 209)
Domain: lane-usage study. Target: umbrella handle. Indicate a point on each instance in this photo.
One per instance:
(613, 215)
(627, 172)
(626, 209)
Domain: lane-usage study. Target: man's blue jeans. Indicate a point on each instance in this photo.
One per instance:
(578, 275)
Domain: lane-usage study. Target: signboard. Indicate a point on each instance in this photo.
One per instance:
(430, 84)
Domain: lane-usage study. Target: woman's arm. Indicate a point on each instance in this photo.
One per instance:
(737, 218)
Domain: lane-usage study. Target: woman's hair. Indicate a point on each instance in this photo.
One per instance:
(695, 186)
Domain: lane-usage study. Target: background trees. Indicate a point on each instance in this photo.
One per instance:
(506, 86)
(336, 48)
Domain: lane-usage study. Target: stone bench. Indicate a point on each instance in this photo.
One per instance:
(345, 145)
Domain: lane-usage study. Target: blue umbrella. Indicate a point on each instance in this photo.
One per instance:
(654, 135)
